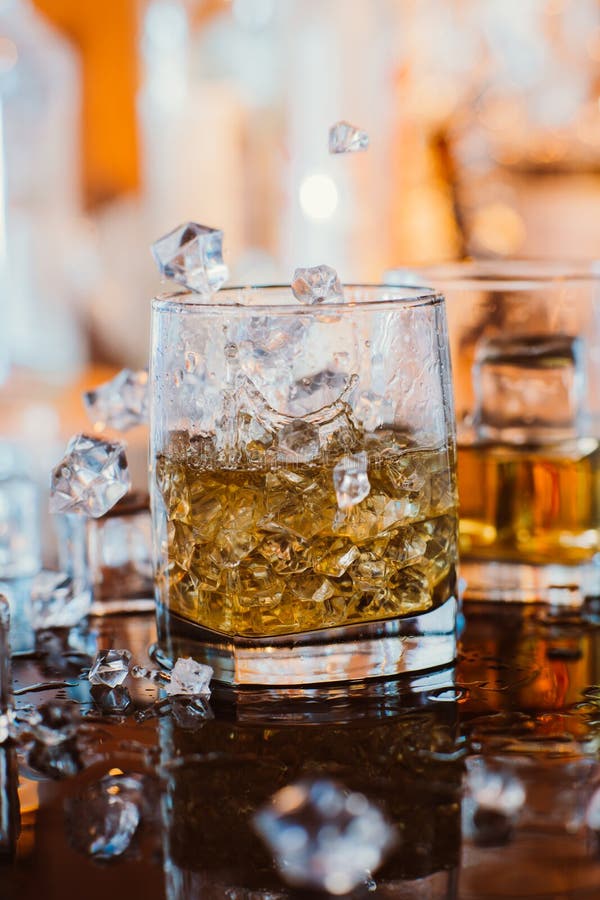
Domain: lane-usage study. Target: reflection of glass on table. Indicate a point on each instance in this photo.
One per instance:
(400, 755)
(524, 340)
(304, 494)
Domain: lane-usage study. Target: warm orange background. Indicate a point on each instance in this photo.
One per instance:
(106, 36)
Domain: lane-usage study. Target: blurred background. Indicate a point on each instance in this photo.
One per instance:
(119, 120)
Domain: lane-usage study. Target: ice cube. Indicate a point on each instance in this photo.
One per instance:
(57, 601)
(350, 479)
(190, 677)
(119, 403)
(494, 798)
(298, 441)
(192, 255)
(316, 284)
(494, 786)
(91, 478)
(528, 388)
(57, 761)
(103, 821)
(110, 667)
(112, 554)
(20, 551)
(323, 836)
(5, 676)
(55, 722)
(347, 138)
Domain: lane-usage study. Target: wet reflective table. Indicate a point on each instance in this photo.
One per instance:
(487, 771)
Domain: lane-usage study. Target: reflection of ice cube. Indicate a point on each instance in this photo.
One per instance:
(494, 797)
(528, 388)
(347, 138)
(192, 255)
(119, 403)
(323, 836)
(91, 478)
(102, 822)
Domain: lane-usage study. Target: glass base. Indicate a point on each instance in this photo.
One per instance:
(352, 653)
(508, 582)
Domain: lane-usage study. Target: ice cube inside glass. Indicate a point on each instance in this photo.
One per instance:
(282, 561)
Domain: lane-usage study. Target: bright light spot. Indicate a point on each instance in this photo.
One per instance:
(115, 771)
(318, 196)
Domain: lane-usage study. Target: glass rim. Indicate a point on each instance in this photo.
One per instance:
(414, 296)
(509, 273)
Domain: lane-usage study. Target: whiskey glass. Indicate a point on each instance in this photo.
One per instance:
(303, 485)
(525, 347)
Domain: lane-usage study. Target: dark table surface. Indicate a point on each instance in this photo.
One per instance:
(525, 695)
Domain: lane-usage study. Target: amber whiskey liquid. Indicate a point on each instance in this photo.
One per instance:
(531, 504)
(260, 550)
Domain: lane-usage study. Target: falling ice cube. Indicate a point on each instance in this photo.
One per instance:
(192, 255)
(323, 836)
(347, 138)
(120, 403)
(316, 284)
(110, 668)
(91, 477)
(190, 677)
(102, 822)
(350, 479)
(528, 388)
(57, 601)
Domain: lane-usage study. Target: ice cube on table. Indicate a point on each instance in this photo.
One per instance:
(350, 479)
(91, 477)
(58, 601)
(55, 722)
(192, 255)
(528, 388)
(316, 284)
(493, 799)
(102, 822)
(494, 786)
(189, 677)
(120, 403)
(323, 836)
(110, 667)
(347, 138)
(112, 554)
